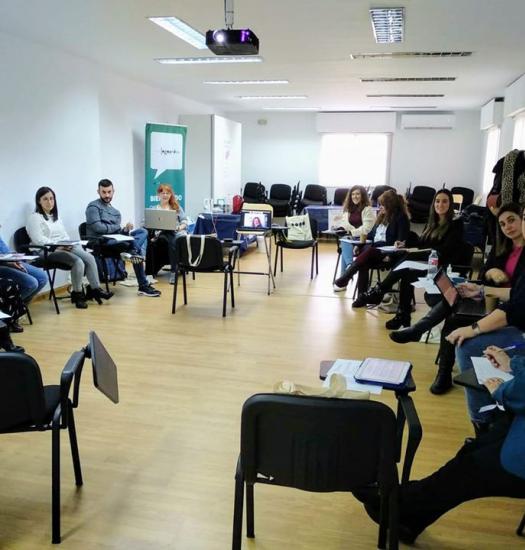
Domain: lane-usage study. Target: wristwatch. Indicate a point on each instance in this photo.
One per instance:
(475, 328)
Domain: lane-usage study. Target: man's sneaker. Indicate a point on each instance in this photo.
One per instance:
(148, 291)
(133, 258)
(338, 288)
(172, 278)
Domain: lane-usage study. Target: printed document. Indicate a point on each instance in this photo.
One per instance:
(348, 368)
(485, 370)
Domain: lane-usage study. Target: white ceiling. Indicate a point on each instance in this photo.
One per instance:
(305, 41)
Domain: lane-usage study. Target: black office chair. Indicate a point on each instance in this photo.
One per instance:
(378, 191)
(419, 203)
(319, 445)
(282, 241)
(466, 193)
(280, 195)
(314, 195)
(207, 256)
(340, 195)
(254, 192)
(23, 244)
(110, 266)
(26, 405)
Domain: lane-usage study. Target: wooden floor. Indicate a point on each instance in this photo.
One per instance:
(158, 468)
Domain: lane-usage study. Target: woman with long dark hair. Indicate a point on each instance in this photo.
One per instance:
(444, 234)
(45, 228)
(392, 225)
(358, 219)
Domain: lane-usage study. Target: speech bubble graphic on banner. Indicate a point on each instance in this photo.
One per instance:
(166, 152)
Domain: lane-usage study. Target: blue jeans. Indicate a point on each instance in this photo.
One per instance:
(474, 347)
(347, 255)
(140, 237)
(30, 283)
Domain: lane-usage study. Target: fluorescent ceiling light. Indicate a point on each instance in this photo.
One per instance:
(402, 55)
(403, 107)
(291, 109)
(272, 97)
(388, 24)
(182, 30)
(215, 59)
(411, 79)
(246, 82)
(405, 95)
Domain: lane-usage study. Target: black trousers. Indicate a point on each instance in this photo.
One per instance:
(475, 472)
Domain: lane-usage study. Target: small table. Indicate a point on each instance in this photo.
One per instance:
(224, 225)
(406, 413)
(267, 237)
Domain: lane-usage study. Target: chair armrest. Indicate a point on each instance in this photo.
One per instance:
(71, 371)
(415, 433)
(233, 254)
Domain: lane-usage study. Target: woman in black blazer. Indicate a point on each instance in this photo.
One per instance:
(392, 225)
(444, 234)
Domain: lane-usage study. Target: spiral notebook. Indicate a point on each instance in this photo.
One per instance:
(383, 372)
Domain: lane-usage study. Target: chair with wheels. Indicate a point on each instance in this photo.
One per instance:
(280, 195)
(283, 241)
(22, 244)
(204, 254)
(319, 445)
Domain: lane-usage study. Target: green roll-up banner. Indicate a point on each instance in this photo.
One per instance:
(165, 160)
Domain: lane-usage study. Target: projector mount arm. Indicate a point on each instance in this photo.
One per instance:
(228, 13)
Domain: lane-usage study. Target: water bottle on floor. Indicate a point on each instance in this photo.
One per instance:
(432, 264)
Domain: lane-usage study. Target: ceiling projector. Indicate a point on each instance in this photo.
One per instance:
(232, 42)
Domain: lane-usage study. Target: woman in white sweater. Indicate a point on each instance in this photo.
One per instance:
(45, 228)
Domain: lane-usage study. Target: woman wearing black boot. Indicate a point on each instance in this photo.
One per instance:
(392, 224)
(44, 227)
(442, 234)
(5, 340)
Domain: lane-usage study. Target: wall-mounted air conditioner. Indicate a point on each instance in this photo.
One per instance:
(428, 122)
(491, 114)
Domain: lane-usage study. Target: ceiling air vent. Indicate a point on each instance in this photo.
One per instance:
(411, 79)
(400, 55)
(405, 95)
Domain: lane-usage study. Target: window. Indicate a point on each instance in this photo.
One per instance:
(518, 141)
(354, 159)
(491, 157)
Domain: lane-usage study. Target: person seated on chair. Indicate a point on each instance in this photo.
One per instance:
(507, 254)
(392, 224)
(165, 238)
(444, 234)
(491, 465)
(358, 219)
(102, 218)
(11, 303)
(30, 279)
(44, 227)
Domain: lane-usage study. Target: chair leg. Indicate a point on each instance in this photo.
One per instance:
(336, 267)
(281, 259)
(74, 447)
(175, 284)
(393, 520)
(105, 272)
(52, 295)
(237, 513)
(184, 291)
(276, 258)
(316, 258)
(224, 292)
(312, 264)
(28, 313)
(231, 289)
(55, 483)
(519, 530)
(383, 523)
(250, 525)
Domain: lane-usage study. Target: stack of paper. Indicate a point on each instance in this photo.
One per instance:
(348, 368)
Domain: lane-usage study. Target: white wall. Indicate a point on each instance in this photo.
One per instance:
(67, 123)
(286, 149)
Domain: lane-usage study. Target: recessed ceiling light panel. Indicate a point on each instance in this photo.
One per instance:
(291, 109)
(272, 97)
(215, 59)
(411, 79)
(400, 55)
(405, 95)
(182, 30)
(388, 24)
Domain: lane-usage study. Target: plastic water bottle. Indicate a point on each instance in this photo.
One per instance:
(432, 264)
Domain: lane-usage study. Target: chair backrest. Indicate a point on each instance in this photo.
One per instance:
(317, 444)
(211, 257)
(467, 194)
(457, 199)
(422, 193)
(82, 230)
(378, 191)
(314, 192)
(21, 392)
(21, 239)
(254, 192)
(280, 191)
(340, 195)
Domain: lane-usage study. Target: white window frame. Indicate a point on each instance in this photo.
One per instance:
(518, 138)
(343, 176)
(492, 137)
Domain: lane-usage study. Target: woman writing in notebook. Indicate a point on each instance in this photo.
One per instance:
(162, 242)
(444, 234)
(392, 224)
(44, 227)
(358, 219)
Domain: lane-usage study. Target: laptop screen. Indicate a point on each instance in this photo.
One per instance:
(104, 368)
(258, 219)
(446, 287)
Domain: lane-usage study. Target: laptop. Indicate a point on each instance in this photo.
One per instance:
(255, 221)
(167, 220)
(461, 306)
(104, 368)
